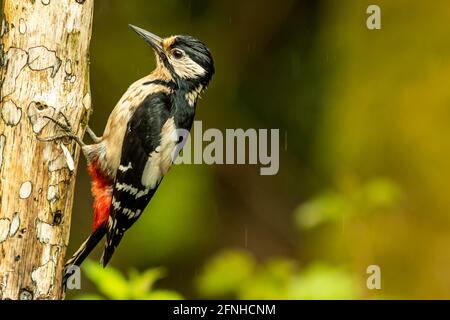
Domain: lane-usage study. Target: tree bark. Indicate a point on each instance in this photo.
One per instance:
(44, 72)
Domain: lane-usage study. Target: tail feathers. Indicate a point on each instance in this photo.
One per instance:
(112, 241)
(86, 248)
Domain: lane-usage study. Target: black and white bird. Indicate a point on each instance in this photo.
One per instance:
(137, 148)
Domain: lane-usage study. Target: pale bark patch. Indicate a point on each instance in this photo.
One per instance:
(15, 225)
(44, 72)
(25, 190)
(11, 114)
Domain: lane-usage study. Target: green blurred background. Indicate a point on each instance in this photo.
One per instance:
(364, 174)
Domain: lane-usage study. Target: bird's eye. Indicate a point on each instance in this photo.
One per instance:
(177, 53)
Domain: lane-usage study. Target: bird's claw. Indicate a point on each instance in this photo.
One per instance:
(66, 127)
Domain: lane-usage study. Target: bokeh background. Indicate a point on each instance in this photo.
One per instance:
(364, 158)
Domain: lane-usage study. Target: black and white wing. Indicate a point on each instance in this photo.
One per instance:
(149, 143)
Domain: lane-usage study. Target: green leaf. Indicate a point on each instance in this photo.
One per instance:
(141, 284)
(270, 282)
(280, 269)
(89, 296)
(321, 281)
(163, 295)
(381, 193)
(225, 273)
(109, 281)
(326, 207)
(333, 205)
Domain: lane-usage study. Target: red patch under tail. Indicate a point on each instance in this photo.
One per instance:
(101, 189)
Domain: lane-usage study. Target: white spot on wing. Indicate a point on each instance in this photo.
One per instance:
(137, 213)
(152, 173)
(131, 190)
(125, 169)
(127, 212)
(116, 204)
(130, 213)
(159, 161)
(127, 188)
(142, 193)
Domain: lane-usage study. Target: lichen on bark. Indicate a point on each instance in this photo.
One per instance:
(40, 41)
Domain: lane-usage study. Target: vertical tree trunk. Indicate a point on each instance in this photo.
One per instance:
(44, 72)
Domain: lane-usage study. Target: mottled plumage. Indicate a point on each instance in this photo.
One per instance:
(140, 140)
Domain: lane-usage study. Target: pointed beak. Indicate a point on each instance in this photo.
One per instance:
(150, 38)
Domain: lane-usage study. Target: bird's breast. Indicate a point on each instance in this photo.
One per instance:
(116, 126)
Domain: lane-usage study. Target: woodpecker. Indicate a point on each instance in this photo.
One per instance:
(128, 162)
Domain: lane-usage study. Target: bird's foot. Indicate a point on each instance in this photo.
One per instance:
(92, 135)
(66, 127)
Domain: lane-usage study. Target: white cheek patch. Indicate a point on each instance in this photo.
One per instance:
(186, 68)
(160, 160)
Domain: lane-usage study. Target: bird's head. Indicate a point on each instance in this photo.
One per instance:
(187, 59)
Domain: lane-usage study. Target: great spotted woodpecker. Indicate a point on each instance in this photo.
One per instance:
(140, 140)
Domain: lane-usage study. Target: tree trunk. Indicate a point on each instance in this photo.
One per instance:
(44, 72)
